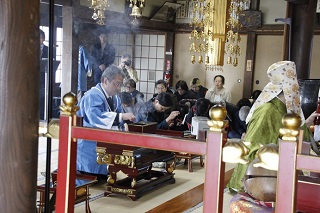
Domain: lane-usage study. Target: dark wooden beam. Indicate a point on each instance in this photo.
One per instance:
(249, 64)
(302, 29)
(255, 5)
(298, 1)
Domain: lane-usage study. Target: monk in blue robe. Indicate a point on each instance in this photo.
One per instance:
(101, 107)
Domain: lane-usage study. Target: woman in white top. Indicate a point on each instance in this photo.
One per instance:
(218, 92)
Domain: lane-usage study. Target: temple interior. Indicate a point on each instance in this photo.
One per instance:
(150, 169)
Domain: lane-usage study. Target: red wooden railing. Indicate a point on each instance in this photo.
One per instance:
(291, 159)
(69, 133)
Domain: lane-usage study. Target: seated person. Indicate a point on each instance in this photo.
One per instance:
(279, 96)
(238, 125)
(238, 122)
(178, 123)
(254, 96)
(200, 108)
(130, 86)
(243, 102)
(153, 111)
(131, 104)
(161, 86)
(183, 91)
(197, 88)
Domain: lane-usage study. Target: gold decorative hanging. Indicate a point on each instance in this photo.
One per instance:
(99, 6)
(209, 32)
(234, 25)
(136, 12)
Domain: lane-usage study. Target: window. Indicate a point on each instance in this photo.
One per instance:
(58, 49)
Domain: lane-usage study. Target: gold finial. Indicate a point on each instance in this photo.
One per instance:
(291, 123)
(218, 114)
(70, 104)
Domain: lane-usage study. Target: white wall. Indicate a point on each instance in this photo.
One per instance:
(272, 9)
(268, 51)
(185, 70)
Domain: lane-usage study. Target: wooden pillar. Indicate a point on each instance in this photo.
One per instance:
(302, 14)
(169, 56)
(19, 104)
(250, 56)
(249, 65)
(70, 51)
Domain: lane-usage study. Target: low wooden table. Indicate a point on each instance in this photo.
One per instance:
(136, 163)
(187, 159)
(183, 155)
(81, 191)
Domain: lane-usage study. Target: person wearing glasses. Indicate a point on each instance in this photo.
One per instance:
(130, 86)
(101, 107)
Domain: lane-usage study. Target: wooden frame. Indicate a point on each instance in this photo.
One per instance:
(166, 11)
(70, 132)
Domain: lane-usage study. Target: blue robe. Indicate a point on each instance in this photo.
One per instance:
(96, 113)
(84, 65)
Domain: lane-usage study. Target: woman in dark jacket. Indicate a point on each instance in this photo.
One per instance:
(197, 88)
(154, 109)
(183, 91)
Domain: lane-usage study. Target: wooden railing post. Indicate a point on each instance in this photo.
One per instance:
(215, 167)
(67, 157)
(287, 175)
